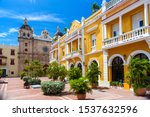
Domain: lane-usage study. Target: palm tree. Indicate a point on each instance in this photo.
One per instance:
(95, 7)
(65, 30)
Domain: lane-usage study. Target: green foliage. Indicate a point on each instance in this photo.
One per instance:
(34, 69)
(34, 81)
(95, 7)
(26, 78)
(56, 72)
(93, 72)
(52, 88)
(138, 71)
(116, 83)
(80, 86)
(74, 73)
(62, 73)
(65, 30)
(1, 72)
(22, 75)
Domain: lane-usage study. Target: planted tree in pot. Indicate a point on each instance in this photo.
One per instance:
(136, 75)
(80, 86)
(92, 74)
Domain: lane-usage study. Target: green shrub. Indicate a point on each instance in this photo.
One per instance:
(34, 81)
(26, 78)
(52, 88)
(80, 86)
(74, 73)
(137, 72)
(1, 72)
(93, 73)
(22, 74)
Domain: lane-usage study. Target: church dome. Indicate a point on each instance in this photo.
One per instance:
(58, 33)
(25, 25)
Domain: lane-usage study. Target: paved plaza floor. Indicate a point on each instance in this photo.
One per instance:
(13, 90)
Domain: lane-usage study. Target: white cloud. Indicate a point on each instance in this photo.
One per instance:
(4, 34)
(10, 31)
(32, 16)
(13, 30)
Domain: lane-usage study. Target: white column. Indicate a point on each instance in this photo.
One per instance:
(83, 57)
(58, 52)
(66, 48)
(105, 67)
(104, 32)
(67, 64)
(120, 25)
(146, 13)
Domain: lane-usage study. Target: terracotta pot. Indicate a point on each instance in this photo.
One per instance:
(94, 85)
(81, 96)
(140, 91)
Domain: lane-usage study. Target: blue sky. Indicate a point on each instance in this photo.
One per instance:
(41, 14)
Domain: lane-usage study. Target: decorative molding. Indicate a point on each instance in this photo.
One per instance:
(93, 59)
(113, 56)
(92, 29)
(137, 52)
(124, 11)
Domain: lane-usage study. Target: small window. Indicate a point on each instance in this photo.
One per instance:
(141, 23)
(0, 61)
(12, 62)
(12, 72)
(93, 42)
(26, 44)
(1, 51)
(12, 52)
(114, 33)
(28, 35)
(26, 50)
(24, 34)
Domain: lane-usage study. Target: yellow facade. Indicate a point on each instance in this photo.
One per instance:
(111, 35)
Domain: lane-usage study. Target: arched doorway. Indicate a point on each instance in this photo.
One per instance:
(71, 66)
(141, 56)
(117, 69)
(79, 65)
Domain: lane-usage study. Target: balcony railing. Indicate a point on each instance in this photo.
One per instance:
(73, 54)
(112, 3)
(75, 34)
(53, 60)
(133, 36)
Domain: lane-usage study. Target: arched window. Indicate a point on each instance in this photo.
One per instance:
(72, 66)
(79, 66)
(117, 70)
(141, 56)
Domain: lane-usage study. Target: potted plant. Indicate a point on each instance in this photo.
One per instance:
(26, 82)
(136, 75)
(80, 86)
(92, 74)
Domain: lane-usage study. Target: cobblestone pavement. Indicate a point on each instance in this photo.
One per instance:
(14, 91)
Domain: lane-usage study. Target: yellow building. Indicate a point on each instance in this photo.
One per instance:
(109, 37)
(9, 60)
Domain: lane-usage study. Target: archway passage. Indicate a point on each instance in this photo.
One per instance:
(141, 56)
(71, 66)
(117, 70)
(79, 65)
